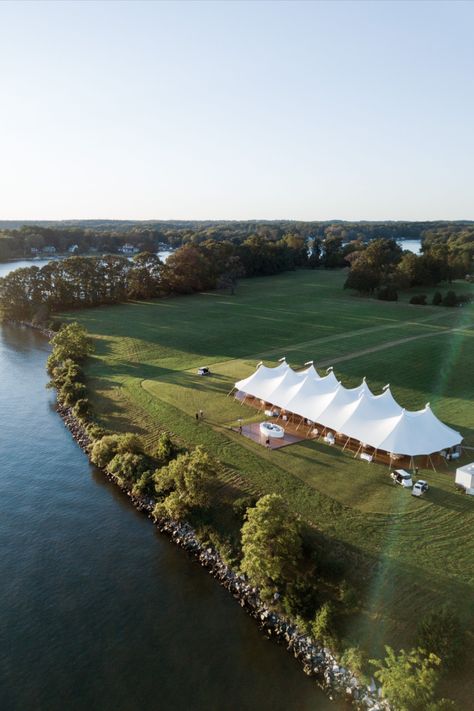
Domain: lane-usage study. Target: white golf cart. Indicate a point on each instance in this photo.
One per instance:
(419, 487)
(402, 477)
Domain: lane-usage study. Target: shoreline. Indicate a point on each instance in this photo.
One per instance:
(317, 661)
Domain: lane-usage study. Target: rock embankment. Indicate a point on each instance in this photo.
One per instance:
(317, 660)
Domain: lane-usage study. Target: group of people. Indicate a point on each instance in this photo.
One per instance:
(199, 415)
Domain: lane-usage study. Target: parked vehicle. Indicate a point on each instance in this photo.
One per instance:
(419, 488)
(204, 371)
(402, 477)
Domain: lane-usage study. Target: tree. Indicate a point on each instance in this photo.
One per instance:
(408, 678)
(271, 544)
(186, 482)
(70, 342)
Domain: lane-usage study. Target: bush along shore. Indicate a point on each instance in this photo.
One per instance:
(268, 570)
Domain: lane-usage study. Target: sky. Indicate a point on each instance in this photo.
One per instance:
(237, 110)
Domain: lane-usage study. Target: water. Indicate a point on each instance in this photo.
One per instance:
(99, 610)
(411, 245)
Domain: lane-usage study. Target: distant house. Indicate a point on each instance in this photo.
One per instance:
(73, 249)
(49, 250)
(129, 249)
(35, 250)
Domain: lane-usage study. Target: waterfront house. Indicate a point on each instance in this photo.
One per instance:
(128, 249)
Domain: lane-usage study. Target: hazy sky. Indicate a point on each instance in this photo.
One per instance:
(352, 110)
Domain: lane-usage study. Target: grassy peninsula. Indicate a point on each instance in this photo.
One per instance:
(403, 556)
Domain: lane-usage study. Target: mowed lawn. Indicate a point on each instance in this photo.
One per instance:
(415, 552)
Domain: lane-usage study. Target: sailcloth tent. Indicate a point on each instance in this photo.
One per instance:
(377, 421)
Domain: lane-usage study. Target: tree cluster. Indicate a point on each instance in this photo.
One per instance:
(382, 267)
(71, 346)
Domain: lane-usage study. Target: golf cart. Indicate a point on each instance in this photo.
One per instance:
(419, 487)
(402, 477)
(204, 371)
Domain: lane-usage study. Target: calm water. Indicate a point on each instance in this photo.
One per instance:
(99, 612)
(411, 245)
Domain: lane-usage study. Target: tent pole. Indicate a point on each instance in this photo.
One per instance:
(242, 401)
(230, 391)
(299, 424)
(432, 463)
(347, 440)
(360, 447)
(390, 461)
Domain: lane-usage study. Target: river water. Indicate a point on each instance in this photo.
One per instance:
(100, 612)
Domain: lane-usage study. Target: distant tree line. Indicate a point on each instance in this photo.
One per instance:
(330, 239)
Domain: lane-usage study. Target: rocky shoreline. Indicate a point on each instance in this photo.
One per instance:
(317, 661)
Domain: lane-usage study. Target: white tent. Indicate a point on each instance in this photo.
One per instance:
(418, 432)
(375, 420)
(263, 381)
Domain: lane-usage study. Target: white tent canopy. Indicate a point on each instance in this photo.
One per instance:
(375, 420)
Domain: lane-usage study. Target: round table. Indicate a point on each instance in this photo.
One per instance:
(268, 429)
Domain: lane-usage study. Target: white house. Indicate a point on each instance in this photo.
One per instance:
(129, 249)
(73, 249)
(465, 477)
(49, 250)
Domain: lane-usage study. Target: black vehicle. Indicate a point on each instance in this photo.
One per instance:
(204, 371)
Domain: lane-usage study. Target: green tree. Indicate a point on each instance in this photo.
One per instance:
(271, 544)
(186, 482)
(408, 678)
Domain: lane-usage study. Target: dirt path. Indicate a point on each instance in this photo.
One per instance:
(383, 346)
(356, 332)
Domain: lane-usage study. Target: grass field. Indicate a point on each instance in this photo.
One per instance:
(412, 553)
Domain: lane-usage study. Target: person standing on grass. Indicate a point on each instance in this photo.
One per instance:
(201, 414)
(267, 442)
(197, 417)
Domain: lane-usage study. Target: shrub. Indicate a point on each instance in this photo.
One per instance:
(95, 431)
(419, 299)
(387, 293)
(128, 467)
(323, 627)
(71, 392)
(450, 299)
(355, 659)
(105, 449)
(437, 298)
(440, 632)
(165, 450)
(81, 409)
(240, 505)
